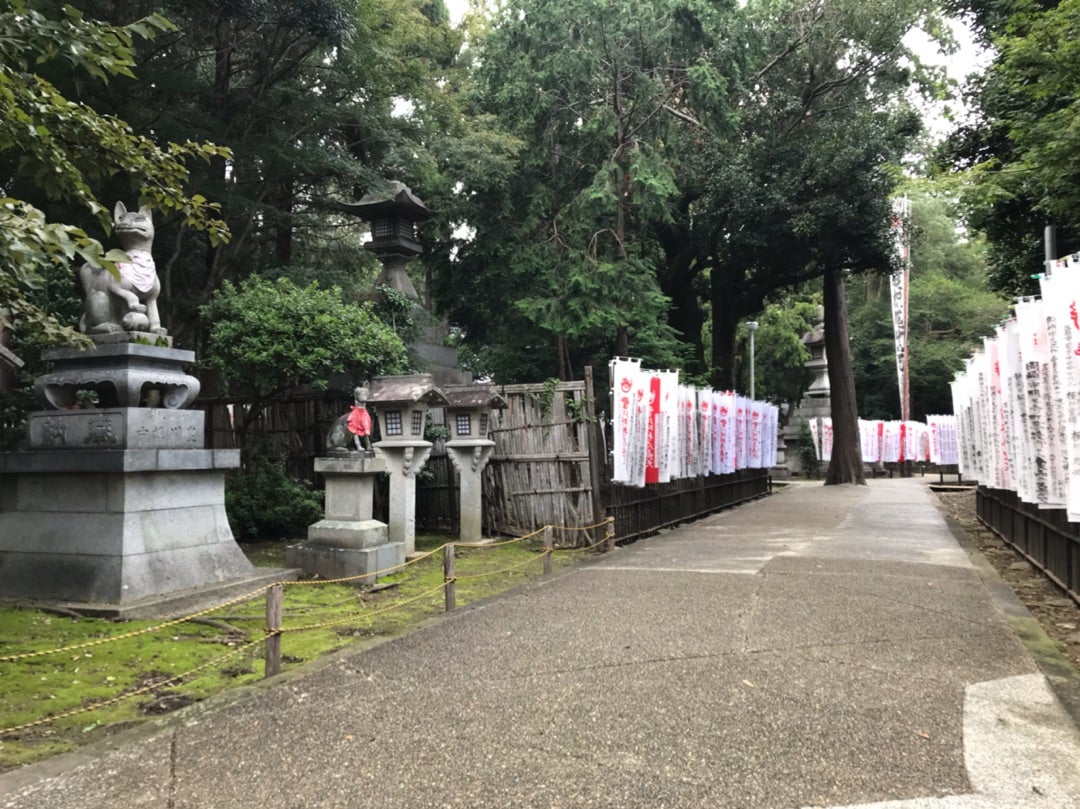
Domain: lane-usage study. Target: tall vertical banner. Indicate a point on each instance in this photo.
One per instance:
(898, 294)
(630, 428)
(1063, 323)
(652, 464)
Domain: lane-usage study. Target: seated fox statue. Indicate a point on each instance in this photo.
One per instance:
(130, 302)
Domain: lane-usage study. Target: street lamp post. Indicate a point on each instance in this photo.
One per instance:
(752, 327)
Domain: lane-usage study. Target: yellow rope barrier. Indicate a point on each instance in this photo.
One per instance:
(371, 614)
(605, 521)
(136, 632)
(128, 694)
(530, 560)
(498, 544)
(375, 573)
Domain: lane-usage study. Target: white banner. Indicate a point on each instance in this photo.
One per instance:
(897, 291)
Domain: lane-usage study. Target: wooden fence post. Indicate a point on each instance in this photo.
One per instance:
(448, 575)
(597, 460)
(273, 624)
(549, 543)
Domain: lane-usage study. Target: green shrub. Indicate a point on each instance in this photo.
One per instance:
(807, 453)
(265, 503)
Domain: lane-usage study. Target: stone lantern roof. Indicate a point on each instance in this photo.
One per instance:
(477, 397)
(393, 213)
(397, 199)
(405, 390)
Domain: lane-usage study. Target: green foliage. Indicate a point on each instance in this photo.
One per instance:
(808, 456)
(586, 97)
(64, 150)
(265, 503)
(780, 354)
(1019, 152)
(950, 308)
(269, 337)
(395, 309)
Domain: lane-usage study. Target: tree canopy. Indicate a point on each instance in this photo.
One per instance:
(66, 149)
(1018, 150)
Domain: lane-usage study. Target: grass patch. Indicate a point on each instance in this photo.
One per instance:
(137, 667)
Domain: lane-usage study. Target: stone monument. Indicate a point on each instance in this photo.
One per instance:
(117, 507)
(347, 542)
(402, 403)
(468, 417)
(393, 213)
(817, 400)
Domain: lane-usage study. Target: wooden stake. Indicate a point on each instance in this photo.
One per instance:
(448, 575)
(549, 543)
(273, 624)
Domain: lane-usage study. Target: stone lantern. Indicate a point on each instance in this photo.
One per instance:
(468, 419)
(401, 404)
(393, 215)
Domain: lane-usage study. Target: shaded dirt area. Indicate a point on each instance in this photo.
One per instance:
(1055, 611)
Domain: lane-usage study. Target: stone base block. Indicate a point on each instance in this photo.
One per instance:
(117, 428)
(340, 563)
(113, 537)
(348, 533)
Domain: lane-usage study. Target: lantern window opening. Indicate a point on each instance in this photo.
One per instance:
(483, 425)
(417, 422)
(393, 422)
(463, 424)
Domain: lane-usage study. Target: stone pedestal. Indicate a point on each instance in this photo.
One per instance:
(347, 542)
(469, 458)
(106, 526)
(119, 509)
(123, 374)
(403, 460)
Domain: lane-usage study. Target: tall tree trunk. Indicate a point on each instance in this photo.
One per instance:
(724, 325)
(845, 466)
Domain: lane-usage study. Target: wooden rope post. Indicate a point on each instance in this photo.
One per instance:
(274, 598)
(549, 543)
(448, 575)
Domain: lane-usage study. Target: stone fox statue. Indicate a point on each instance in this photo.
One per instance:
(130, 303)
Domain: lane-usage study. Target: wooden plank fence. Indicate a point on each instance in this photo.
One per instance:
(1044, 536)
(540, 471)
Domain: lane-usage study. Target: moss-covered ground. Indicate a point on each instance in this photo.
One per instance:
(99, 676)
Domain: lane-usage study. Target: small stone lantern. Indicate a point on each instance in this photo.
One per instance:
(468, 419)
(401, 404)
(393, 214)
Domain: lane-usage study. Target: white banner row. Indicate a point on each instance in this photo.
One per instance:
(895, 441)
(664, 431)
(1018, 399)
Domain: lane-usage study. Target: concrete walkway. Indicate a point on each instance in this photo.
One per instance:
(825, 647)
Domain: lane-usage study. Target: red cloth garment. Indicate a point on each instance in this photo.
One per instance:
(359, 422)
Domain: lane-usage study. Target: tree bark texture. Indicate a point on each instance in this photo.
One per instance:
(845, 465)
